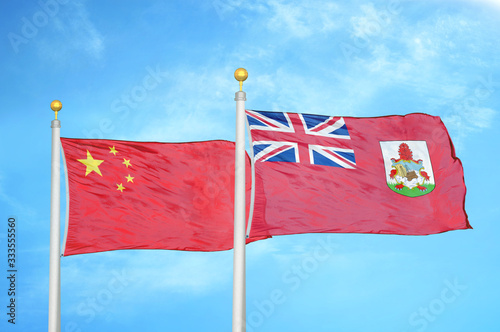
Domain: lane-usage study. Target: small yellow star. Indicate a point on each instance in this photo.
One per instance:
(126, 162)
(120, 187)
(113, 150)
(91, 163)
(129, 178)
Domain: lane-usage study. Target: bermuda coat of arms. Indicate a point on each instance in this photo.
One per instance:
(408, 167)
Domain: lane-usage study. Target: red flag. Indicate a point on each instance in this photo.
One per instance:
(322, 174)
(137, 195)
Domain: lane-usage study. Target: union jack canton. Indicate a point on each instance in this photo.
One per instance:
(300, 138)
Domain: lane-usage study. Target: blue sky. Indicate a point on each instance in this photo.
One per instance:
(163, 71)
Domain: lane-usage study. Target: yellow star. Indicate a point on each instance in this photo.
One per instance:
(113, 150)
(127, 162)
(120, 187)
(129, 178)
(91, 163)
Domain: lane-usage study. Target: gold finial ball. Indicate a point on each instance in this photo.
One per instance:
(241, 74)
(56, 105)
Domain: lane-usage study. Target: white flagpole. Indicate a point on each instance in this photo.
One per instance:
(55, 223)
(239, 296)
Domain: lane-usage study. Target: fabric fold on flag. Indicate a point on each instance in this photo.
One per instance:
(326, 174)
(150, 195)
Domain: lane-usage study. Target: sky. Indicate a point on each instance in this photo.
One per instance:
(163, 71)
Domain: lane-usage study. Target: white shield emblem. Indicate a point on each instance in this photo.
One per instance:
(408, 168)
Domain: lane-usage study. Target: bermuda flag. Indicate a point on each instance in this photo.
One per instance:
(327, 174)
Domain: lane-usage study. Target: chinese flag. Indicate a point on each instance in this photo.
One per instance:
(324, 174)
(138, 195)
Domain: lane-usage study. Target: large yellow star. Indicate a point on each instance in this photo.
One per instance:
(126, 162)
(113, 150)
(120, 187)
(91, 163)
(130, 178)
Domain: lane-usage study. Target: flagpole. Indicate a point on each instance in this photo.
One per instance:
(239, 296)
(55, 223)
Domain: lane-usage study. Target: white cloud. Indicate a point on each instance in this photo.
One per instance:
(300, 19)
(470, 119)
(201, 98)
(481, 117)
(295, 19)
(466, 121)
(75, 35)
(372, 23)
(495, 4)
(422, 48)
(416, 57)
(402, 55)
